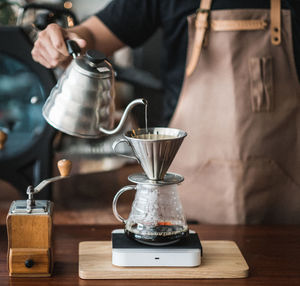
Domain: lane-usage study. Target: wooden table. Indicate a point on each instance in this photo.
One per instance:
(272, 253)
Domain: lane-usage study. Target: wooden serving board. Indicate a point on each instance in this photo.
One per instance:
(221, 259)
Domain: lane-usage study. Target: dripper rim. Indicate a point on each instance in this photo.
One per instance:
(184, 134)
(170, 178)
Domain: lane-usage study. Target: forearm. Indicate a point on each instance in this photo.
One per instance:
(84, 32)
(98, 36)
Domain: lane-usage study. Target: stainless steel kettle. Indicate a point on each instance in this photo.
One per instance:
(82, 102)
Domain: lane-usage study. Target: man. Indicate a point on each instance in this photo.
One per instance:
(239, 59)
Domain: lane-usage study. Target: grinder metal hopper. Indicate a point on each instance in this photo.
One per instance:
(154, 149)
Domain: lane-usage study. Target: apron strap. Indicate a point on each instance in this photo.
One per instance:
(275, 22)
(237, 25)
(201, 27)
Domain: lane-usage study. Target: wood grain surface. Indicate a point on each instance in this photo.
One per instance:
(272, 253)
(221, 259)
(29, 231)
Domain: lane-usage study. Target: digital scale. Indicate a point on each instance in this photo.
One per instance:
(129, 253)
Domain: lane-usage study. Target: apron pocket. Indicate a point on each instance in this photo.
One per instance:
(238, 192)
(261, 84)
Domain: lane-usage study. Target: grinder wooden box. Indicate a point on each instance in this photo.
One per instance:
(30, 239)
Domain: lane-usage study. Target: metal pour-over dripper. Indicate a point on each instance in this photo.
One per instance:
(154, 149)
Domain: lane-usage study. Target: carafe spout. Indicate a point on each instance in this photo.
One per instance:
(124, 116)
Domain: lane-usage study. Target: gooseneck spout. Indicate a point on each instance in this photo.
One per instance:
(124, 116)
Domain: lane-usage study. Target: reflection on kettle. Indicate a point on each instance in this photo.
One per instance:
(82, 103)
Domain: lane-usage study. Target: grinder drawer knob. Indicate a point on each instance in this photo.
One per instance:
(29, 263)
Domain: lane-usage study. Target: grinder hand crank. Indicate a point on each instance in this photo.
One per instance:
(64, 167)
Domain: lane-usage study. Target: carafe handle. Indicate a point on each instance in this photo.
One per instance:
(114, 204)
(122, 140)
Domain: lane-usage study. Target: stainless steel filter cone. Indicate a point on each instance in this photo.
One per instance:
(154, 150)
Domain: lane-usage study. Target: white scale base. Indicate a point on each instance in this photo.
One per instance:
(129, 253)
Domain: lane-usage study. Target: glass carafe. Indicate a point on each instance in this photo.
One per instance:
(156, 216)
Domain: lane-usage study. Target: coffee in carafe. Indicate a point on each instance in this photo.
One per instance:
(163, 234)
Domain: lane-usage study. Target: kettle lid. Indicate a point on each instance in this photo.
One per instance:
(94, 64)
(94, 56)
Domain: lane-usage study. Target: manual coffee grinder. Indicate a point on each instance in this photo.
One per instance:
(29, 231)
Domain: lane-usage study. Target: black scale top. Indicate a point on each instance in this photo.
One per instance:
(121, 240)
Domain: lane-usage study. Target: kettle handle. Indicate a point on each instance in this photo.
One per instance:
(122, 140)
(114, 204)
(73, 48)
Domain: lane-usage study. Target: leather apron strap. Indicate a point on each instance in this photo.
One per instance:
(237, 25)
(275, 22)
(201, 25)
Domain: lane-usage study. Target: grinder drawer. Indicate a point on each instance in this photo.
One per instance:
(31, 261)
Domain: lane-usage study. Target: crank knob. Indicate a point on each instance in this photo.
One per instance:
(29, 263)
(3, 138)
(64, 167)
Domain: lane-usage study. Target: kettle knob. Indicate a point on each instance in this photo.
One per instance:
(94, 56)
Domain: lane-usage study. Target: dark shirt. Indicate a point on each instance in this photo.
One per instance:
(134, 21)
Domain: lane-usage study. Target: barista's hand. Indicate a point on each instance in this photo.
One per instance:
(50, 49)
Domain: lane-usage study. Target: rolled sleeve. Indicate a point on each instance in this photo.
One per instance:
(132, 21)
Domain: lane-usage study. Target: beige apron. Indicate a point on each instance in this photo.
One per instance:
(240, 107)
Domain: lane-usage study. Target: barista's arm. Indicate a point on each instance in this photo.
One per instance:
(50, 49)
(100, 37)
